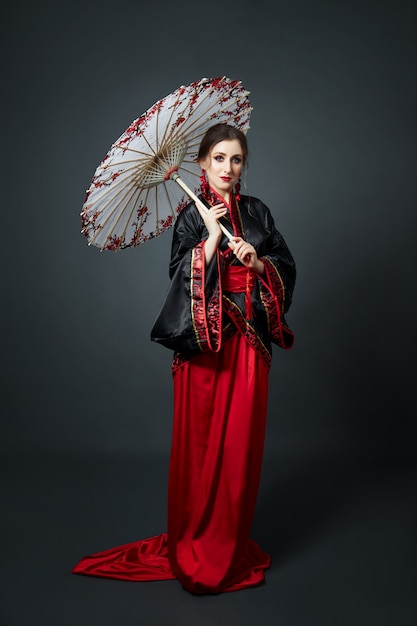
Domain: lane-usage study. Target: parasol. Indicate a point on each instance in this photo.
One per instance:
(151, 172)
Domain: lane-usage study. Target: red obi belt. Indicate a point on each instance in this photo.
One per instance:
(239, 279)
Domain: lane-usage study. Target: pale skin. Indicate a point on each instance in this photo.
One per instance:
(223, 167)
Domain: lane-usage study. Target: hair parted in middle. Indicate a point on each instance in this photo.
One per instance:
(222, 132)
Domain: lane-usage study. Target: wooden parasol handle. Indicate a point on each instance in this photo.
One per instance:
(175, 176)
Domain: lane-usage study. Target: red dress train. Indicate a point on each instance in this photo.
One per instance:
(220, 406)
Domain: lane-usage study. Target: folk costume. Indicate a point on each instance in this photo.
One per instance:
(221, 321)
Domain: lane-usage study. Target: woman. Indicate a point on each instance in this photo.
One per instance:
(224, 307)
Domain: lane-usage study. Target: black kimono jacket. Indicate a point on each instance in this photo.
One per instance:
(198, 315)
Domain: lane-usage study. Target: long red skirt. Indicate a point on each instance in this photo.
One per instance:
(220, 405)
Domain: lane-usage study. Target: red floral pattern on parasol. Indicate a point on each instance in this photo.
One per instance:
(150, 173)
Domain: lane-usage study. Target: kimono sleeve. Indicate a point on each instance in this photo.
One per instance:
(277, 283)
(190, 318)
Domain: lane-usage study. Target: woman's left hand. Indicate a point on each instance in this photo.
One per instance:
(246, 254)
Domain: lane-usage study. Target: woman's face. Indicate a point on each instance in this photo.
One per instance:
(223, 166)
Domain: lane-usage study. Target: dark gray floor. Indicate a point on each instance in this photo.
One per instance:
(341, 534)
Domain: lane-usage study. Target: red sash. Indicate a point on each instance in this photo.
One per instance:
(239, 279)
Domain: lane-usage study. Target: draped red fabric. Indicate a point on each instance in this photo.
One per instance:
(220, 405)
(140, 560)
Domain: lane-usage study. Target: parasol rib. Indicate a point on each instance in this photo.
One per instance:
(169, 202)
(181, 113)
(114, 210)
(192, 121)
(128, 221)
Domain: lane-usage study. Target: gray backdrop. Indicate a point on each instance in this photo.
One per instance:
(87, 398)
(332, 147)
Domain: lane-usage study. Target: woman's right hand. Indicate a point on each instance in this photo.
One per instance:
(211, 218)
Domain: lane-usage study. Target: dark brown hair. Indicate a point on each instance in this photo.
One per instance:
(222, 132)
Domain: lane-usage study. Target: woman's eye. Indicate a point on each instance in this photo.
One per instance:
(218, 158)
(237, 160)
